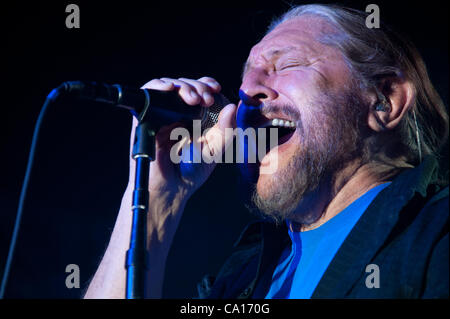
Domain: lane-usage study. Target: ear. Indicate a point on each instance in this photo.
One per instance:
(400, 96)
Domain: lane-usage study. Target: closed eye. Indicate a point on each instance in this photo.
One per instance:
(288, 66)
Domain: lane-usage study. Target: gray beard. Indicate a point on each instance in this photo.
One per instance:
(333, 140)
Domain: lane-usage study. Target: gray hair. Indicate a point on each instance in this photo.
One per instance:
(373, 55)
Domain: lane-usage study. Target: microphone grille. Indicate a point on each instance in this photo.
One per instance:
(212, 113)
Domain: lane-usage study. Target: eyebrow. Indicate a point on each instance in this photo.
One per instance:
(270, 55)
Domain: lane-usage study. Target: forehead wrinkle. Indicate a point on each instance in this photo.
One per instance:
(280, 50)
(313, 28)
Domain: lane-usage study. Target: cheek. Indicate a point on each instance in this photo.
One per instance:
(338, 75)
(303, 90)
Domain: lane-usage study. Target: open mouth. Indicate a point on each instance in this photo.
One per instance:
(286, 130)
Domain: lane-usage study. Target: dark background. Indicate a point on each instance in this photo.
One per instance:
(81, 165)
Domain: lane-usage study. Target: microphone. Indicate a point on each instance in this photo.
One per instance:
(161, 107)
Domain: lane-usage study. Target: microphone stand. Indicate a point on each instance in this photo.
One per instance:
(137, 258)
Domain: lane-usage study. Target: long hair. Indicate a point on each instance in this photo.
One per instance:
(375, 54)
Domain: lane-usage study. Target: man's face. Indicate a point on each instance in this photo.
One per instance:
(297, 78)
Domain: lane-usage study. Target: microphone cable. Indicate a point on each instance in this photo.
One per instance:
(54, 94)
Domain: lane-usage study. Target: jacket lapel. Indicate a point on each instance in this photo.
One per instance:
(372, 230)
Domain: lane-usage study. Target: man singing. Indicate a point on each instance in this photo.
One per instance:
(354, 208)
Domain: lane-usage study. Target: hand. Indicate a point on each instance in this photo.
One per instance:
(173, 181)
(170, 187)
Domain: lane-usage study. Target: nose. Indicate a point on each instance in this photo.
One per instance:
(255, 89)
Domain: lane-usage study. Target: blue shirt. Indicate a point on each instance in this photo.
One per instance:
(302, 265)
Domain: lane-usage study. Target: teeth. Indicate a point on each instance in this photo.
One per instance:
(283, 123)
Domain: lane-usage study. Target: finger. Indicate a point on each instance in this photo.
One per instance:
(163, 135)
(211, 82)
(204, 90)
(186, 91)
(158, 84)
(219, 137)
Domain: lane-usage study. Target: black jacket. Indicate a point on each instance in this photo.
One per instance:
(404, 232)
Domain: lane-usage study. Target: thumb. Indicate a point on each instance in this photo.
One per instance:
(227, 117)
(217, 138)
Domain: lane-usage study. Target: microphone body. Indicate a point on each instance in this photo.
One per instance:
(160, 107)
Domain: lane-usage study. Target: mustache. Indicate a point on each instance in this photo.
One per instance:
(289, 110)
